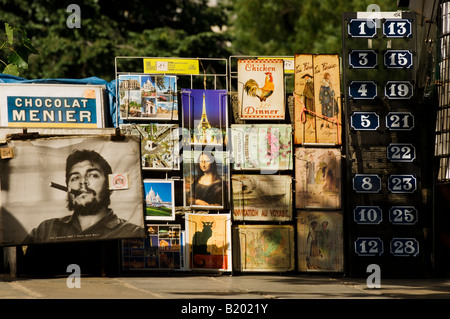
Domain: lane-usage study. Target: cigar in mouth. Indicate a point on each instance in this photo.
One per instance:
(65, 189)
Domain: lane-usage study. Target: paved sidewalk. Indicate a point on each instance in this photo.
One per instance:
(242, 287)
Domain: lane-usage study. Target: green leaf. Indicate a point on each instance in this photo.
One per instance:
(19, 58)
(9, 33)
(11, 69)
(27, 44)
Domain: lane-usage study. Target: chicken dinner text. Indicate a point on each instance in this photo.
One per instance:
(253, 67)
(252, 110)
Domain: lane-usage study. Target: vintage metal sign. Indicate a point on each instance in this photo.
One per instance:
(51, 105)
(261, 89)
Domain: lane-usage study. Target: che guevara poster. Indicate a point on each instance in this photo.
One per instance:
(261, 89)
(63, 189)
(318, 178)
(317, 115)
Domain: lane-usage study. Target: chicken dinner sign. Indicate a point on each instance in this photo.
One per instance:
(261, 89)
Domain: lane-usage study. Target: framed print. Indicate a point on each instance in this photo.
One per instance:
(160, 144)
(159, 199)
(318, 178)
(71, 190)
(262, 197)
(52, 105)
(262, 146)
(263, 248)
(159, 250)
(261, 89)
(148, 97)
(205, 115)
(320, 241)
(208, 243)
(205, 179)
(318, 111)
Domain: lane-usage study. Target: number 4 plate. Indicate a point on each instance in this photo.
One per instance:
(362, 90)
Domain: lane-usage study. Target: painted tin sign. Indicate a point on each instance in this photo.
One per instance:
(51, 105)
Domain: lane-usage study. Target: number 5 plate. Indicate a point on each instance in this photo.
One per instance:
(365, 121)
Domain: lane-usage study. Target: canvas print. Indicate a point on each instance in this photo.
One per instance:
(205, 179)
(262, 197)
(264, 248)
(262, 146)
(159, 144)
(317, 116)
(261, 89)
(318, 178)
(208, 239)
(159, 199)
(205, 115)
(159, 250)
(320, 241)
(73, 189)
(148, 97)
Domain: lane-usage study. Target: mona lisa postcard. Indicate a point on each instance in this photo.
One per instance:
(205, 179)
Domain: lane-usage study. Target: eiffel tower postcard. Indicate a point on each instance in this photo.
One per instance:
(205, 115)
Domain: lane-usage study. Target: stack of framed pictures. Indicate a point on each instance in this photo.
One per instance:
(205, 175)
(148, 109)
(262, 162)
(205, 161)
(318, 163)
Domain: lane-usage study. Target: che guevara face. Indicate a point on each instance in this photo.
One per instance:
(87, 177)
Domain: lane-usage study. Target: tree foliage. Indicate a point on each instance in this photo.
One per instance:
(111, 28)
(169, 28)
(287, 27)
(15, 50)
